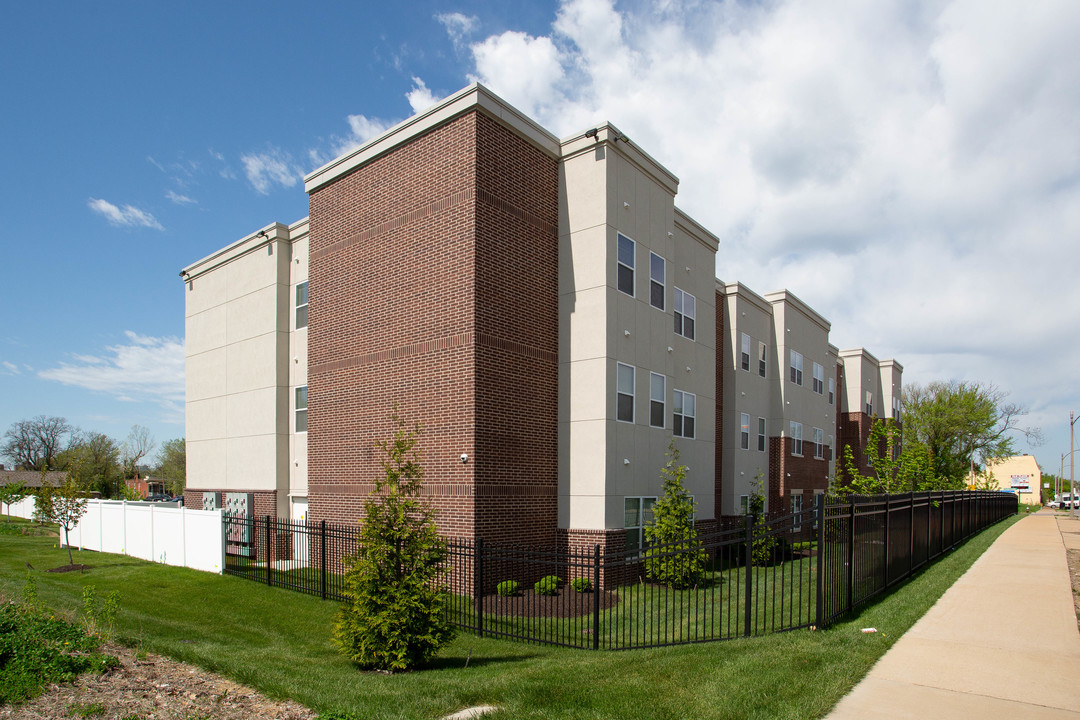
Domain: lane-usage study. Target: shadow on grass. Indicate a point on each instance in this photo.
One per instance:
(458, 663)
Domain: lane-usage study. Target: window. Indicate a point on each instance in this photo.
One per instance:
(685, 310)
(637, 514)
(819, 443)
(761, 442)
(626, 265)
(796, 368)
(762, 355)
(744, 431)
(819, 379)
(796, 438)
(831, 445)
(300, 422)
(796, 509)
(657, 393)
(744, 504)
(896, 409)
(685, 410)
(657, 267)
(869, 403)
(745, 359)
(624, 398)
(301, 305)
(832, 390)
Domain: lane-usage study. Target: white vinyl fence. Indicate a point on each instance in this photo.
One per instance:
(22, 509)
(158, 532)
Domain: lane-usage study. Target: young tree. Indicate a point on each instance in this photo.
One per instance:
(395, 615)
(68, 505)
(764, 542)
(43, 502)
(673, 556)
(11, 493)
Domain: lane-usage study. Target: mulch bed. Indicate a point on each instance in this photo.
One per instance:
(528, 603)
(69, 568)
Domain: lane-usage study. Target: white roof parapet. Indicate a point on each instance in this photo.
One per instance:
(610, 136)
(696, 230)
(464, 100)
(859, 352)
(789, 298)
(745, 293)
(270, 233)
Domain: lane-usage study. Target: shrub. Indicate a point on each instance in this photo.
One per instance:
(548, 585)
(674, 557)
(507, 588)
(582, 585)
(394, 617)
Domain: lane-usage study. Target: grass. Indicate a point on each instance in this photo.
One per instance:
(279, 642)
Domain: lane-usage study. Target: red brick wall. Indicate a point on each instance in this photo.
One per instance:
(855, 431)
(434, 286)
(793, 472)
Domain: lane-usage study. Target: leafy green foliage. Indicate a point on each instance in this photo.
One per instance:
(67, 505)
(582, 585)
(507, 588)
(395, 617)
(548, 585)
(764, 544)
(673, 556)
(172, 465)
(899, 465)
(11, 493)
(99, 617)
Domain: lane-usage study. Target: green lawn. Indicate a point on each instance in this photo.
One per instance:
(279, 642)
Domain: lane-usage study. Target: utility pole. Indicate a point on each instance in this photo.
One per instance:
(1072, 466)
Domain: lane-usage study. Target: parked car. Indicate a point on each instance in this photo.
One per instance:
(1054, 504)
(158, 497)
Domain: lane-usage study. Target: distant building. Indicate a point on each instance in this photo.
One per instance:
(1019, 474)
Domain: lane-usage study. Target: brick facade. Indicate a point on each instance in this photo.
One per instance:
(434, 287)
(788, 472)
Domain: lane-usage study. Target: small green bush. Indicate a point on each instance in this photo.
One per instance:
(507, 588)
(582, 585)
(548, 585)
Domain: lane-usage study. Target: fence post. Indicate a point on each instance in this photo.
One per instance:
(478, 585)
(819, 513)
(929, 522)
(596, 598)
(322, 557)
(851, 555)
(888, 533)
(268, 568)
(911, 534)
(748, 595)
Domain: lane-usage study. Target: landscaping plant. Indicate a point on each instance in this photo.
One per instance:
(582, 585)
(507, 588)
(395, 617)
(548, 585)
(673, 556)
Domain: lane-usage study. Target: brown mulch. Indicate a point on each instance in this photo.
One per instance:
(567, 604)
(69, 568)
(153, 687)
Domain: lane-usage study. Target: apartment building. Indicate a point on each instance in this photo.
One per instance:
(538, 306)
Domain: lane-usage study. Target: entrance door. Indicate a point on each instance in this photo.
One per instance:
(300, 538)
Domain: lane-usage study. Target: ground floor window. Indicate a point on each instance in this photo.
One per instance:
(637, 512)
(796, 507)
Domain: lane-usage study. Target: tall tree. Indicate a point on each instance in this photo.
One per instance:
(673, 556)
(172, 465)
(139, 444)
(962, 424)
(98, 456)
(34, 444)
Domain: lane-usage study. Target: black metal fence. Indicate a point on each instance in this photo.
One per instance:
(797, 570)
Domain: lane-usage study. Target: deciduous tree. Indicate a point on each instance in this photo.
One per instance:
(34, 444)
(172, 465)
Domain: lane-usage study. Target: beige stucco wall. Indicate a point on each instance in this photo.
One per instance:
(1008, 470)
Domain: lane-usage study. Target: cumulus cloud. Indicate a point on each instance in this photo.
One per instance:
(458, 26)
(267, 169)
(180, 199)
(420, 98)
(910, 169)
(126, 216)
(143, 369)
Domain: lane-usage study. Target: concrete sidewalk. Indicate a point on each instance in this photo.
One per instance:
(1002, 642)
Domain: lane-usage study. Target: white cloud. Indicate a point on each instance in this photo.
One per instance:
(126, 216)
(144, 369)
(458, 26)
(361, 129)
(420, 98)
(910, 169)
(180, 199)
(11, 368)
(270, 168)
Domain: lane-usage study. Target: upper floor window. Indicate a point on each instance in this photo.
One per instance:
(832, 390)
(744, 431)
(762, 355)
(684, 414)
(626, 265)
(657, 273)
(896, 409)
(869, 403)
(624, 393)
(685, 310)
(761, 434)
(819, 379)
(300, 422)
(796, 438)
(301, 305)
(796, 367)
(657, 393)
(744, 358)
(819, 443)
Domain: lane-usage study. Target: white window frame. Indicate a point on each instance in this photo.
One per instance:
(819, 379)
(624, 266)
(744, 504)
(300, 409)
(654, 283)
(796, 509)
(832, 446)
(763, 359)
(896, 409)
(762, 435)
(869, 403)
(796, 438)
(819, 443)
(635, 533)
(685, 312)
(657, 396)
(744, 358)
(744, 431)
(300, 307)
(832, 391)
(620, 390)
(796, 368)
(684, 407)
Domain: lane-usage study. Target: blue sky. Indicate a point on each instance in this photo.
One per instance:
(910, 169)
